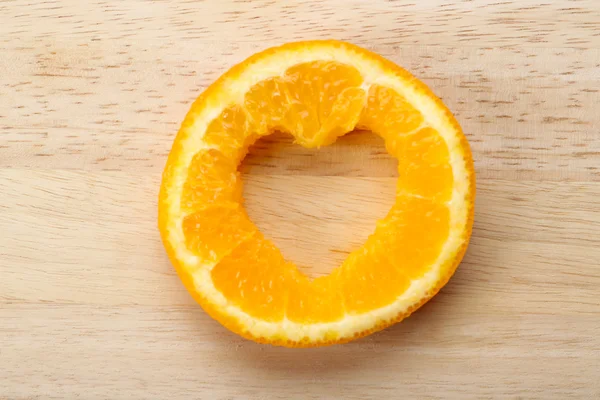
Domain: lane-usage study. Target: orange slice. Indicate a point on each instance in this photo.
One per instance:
(316, 91)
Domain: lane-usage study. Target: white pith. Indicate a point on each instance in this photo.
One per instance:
(191, 141)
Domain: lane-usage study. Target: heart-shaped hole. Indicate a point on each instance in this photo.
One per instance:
(318, 205)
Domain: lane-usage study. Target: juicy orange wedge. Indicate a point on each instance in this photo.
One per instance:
(316, 91)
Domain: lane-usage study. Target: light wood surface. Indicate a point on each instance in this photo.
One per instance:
(91, 96)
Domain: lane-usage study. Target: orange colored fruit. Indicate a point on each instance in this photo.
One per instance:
(316, 91)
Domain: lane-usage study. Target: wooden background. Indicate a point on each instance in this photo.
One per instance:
(91, 96)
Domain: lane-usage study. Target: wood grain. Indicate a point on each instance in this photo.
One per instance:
(91, 96)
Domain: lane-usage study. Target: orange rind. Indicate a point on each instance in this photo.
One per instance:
(316, 91)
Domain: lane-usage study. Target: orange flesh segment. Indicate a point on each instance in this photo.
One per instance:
(388, 114)
(343, 116)
(413, 234)
(369, 279)
(254, 277)
(214, 231)
(212, 178)
(267, 103)
(314, 301)
(424, 165)
(231, 133)
(301, 82)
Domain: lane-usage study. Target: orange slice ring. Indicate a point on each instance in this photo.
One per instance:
(315, 91)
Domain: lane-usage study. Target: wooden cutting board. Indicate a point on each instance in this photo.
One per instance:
(91, 96)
